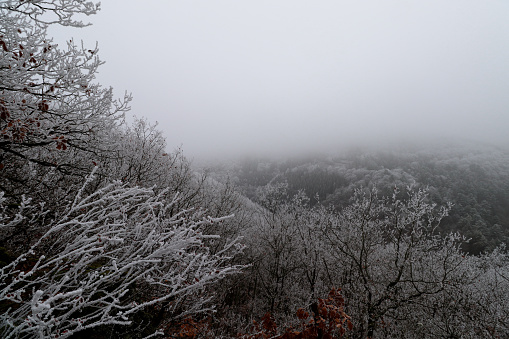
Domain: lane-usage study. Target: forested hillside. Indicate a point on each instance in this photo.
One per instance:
(474, 178)
(106, 233)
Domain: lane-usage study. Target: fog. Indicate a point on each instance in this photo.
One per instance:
(225, 78)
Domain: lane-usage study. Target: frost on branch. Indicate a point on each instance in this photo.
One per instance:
(389, 257)
(47, 12)
(53, 116)
(113, 253)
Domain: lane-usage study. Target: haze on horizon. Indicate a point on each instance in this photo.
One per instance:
(225, 78)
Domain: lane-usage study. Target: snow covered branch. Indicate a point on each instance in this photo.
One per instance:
(113, 253)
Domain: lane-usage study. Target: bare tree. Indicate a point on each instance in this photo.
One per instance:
(389, 259)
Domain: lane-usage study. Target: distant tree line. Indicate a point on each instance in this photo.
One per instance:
(475, 179)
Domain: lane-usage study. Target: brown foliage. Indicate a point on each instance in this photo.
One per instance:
(188, 328)
(327, 321)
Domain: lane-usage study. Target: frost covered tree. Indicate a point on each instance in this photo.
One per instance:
(53, 118)
(476, 308)
(79, 258)
(285, 248)
(111, 254)
(401, 278)
(139, 156)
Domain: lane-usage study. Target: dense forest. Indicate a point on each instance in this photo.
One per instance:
(474, 178)
(104, 233)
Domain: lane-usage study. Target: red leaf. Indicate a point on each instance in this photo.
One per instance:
(302, 314)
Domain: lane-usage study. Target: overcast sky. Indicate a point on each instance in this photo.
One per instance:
(225, 76)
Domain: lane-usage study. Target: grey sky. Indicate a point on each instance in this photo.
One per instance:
(222, 77)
